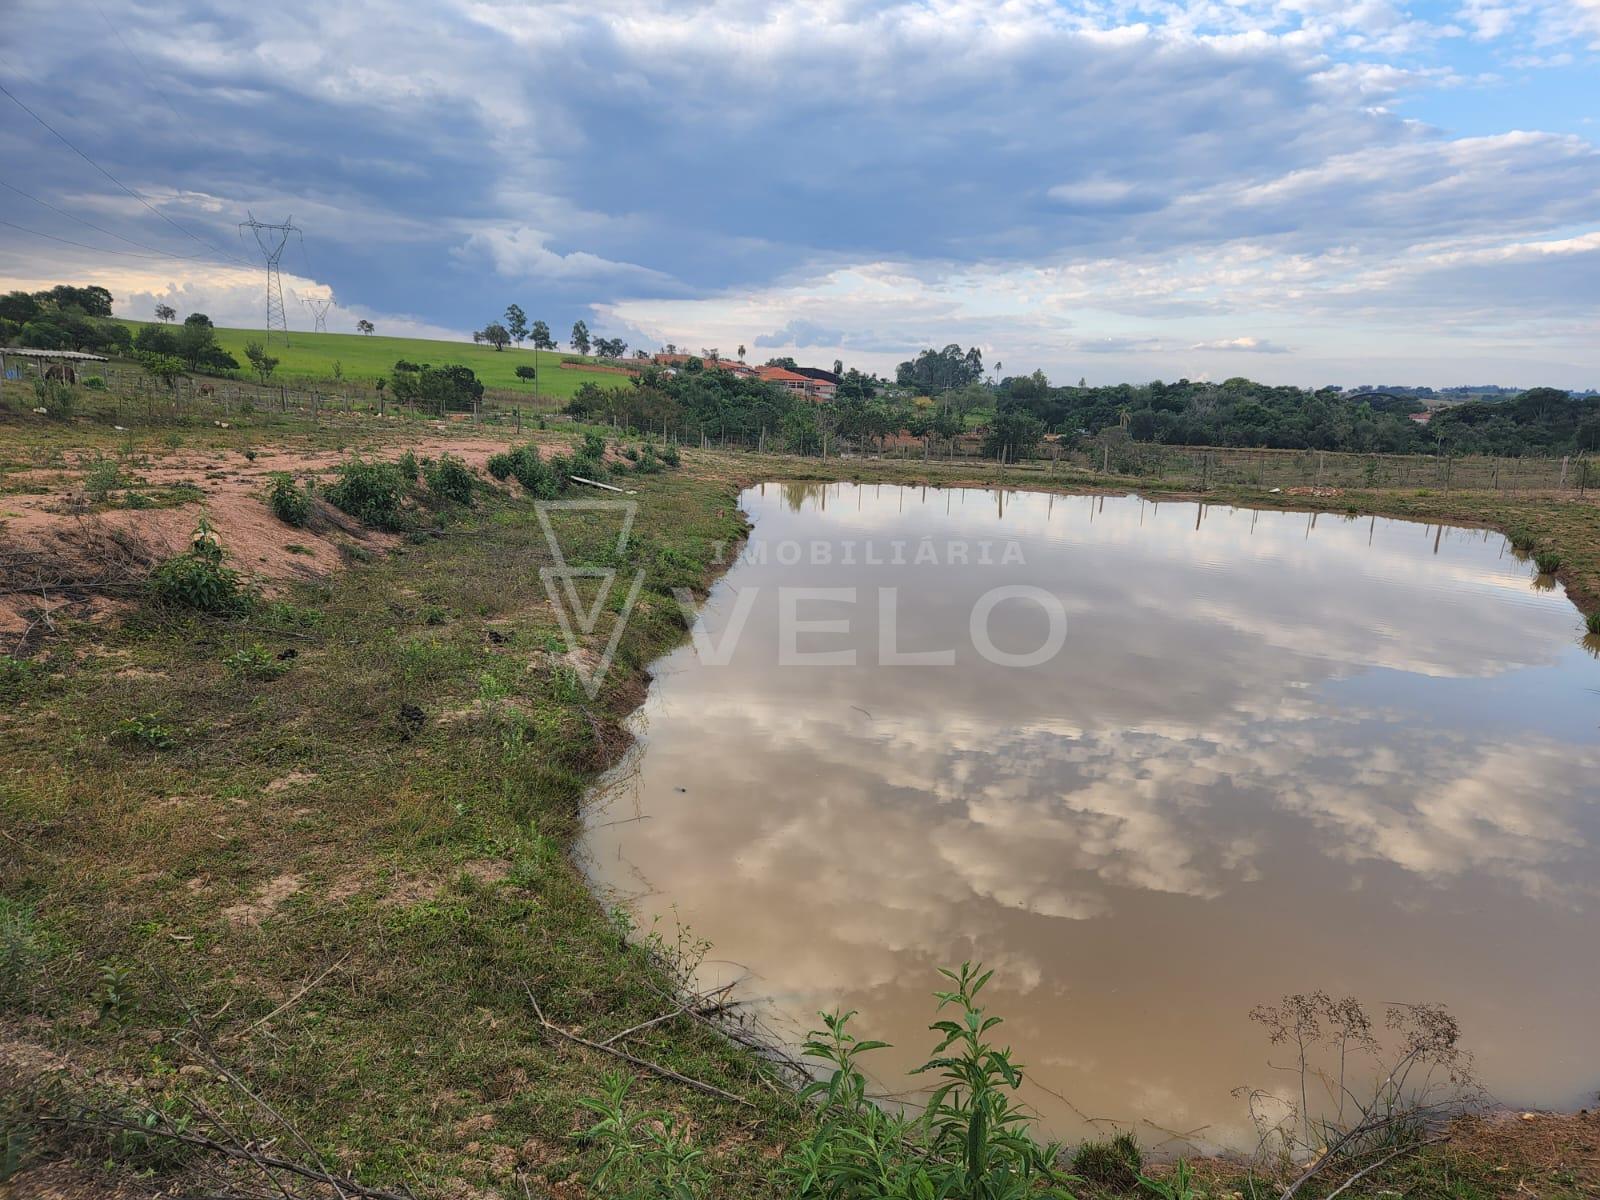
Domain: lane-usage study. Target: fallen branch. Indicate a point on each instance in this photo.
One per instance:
(1387, 1158)
(342, 1184)
(698, 1085)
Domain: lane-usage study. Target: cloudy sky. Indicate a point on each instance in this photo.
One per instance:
(1304, 191)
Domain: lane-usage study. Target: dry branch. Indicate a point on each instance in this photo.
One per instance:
(698, 1085)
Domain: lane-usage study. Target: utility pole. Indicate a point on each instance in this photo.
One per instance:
(271, 239)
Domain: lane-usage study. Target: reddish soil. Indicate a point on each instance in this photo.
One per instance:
(81, 541)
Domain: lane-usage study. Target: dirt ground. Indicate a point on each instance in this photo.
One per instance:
(58, 525)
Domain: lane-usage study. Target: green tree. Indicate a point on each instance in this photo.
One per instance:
(165, 367)
(496, 334)
(516, 324)
(580, 337)
(165, 313)
(364, 326)
(262, 363)
(540, 333)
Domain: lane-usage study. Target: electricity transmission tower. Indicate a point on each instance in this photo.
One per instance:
(271, 239)
(319, 311)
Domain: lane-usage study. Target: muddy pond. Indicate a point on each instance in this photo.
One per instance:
(1154, 763)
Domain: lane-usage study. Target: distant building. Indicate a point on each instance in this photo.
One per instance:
(680, 361)
(801, 382)
(1422, 418)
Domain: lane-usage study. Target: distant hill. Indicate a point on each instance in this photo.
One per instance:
(365, 357)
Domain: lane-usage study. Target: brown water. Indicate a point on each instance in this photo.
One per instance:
(1275, 753)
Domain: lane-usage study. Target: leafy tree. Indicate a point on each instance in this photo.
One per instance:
(496, 334)
(526, 372)
(580, 337)
(516, 324)
(19, 307)
(165, 313)
(364, 326)
(741, 351)
(786, 363)
(1014, 434)
(164, 367)
(935, 371)
(437, 390)
(262, 363)
(540, 333)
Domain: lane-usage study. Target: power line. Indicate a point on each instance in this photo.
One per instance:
(86, 246)
(133, 54)
(62, 138)
(97, 228)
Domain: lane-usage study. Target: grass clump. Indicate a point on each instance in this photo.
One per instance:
(1114, 1164)
(146, 732)
(16, 677)
(371, 491)
(1591, 622)
(289, 502)
(1522, 539)
(1548, 562)
(254, 662)
(449, 478)
(198, 580)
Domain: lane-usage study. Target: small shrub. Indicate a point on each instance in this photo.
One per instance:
(196, 579)
(536, 476)
(669, 455)
(1548, 562)
(1592, 621)
(147, 733)
(371, 492)
(645, 1156)
(450, 479)
(502, 464)
(102, 477)
(629, 453)
(254, 662)
(95, 383)
(588, 467)
(594, 446)
(289, 502)
(648, 463)
(407, 464)
(249, 456)
(1112, 1164)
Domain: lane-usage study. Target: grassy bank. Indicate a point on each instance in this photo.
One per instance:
(336, 834)
(364, 358)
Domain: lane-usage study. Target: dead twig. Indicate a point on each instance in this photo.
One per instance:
(1413, 1148)
(295, 999)
(698, 1085)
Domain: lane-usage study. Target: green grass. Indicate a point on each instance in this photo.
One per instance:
(363, 359)
(428, 858)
